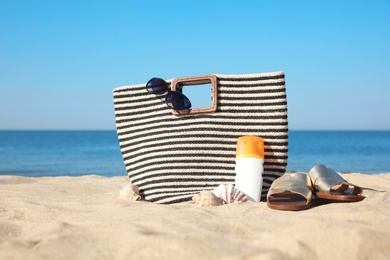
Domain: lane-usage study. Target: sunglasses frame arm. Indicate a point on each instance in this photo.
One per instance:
(179, 83)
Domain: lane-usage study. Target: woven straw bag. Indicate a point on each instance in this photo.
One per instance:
(171, 156)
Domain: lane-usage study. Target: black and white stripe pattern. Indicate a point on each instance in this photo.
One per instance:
(171, 158)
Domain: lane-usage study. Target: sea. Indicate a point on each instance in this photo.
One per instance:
(77, 153)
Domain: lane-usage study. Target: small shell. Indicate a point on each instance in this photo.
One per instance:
(130, 192)
(206, 199)
(229, 194)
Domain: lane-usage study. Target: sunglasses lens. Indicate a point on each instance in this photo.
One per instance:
(177, 101)
(157, 86)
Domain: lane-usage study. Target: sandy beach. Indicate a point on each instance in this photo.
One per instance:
(83, 218)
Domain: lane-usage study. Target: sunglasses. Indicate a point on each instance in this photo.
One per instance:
(173, 99)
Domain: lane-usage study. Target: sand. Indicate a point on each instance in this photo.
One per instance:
(83, 218)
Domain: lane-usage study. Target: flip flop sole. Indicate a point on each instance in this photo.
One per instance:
(289, 206)
(287, 201)
(340, 197)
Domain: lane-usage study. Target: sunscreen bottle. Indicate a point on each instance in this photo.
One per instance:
(250, 166)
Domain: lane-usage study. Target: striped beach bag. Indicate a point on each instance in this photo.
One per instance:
(173, 154)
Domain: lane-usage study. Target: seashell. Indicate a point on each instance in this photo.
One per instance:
(206, 198)
(130, 192)
(229, 194)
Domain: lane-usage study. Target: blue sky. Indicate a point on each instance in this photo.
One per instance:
(60, 60)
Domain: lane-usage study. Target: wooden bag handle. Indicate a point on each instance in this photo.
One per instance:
(179, 83)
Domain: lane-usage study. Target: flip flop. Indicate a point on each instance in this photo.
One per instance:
(290, 192)
(329, 185)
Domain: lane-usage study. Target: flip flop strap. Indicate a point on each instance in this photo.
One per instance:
(325, 178)
(298, 183)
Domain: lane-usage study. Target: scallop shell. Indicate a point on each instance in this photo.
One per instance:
(130, 192)
(206, 198)
(229, 194)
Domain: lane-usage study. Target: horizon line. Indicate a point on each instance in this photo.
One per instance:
(87, 129)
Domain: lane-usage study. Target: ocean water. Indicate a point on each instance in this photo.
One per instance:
(345, 151)
(75, 153)
(57, 153)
